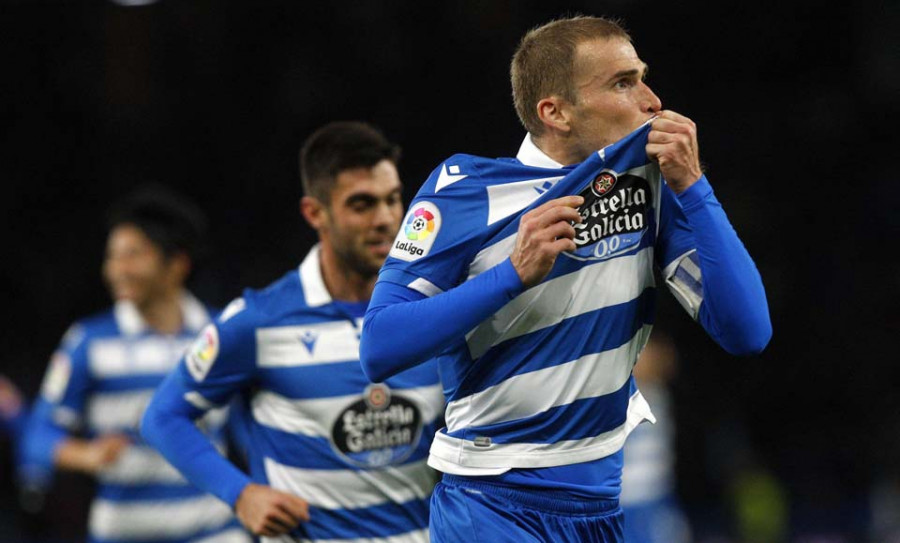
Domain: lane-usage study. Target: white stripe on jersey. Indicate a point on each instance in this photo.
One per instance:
(566, 296)
(521, 396)
(416, 536)
(509, 198)
(463, 457)
(117, 411)
(118, 357)
(140, 465)
(156, 519)
(309, 344)
(234, 535)
(489, 257)
(315, 417)
(425, 287)
(353, 489)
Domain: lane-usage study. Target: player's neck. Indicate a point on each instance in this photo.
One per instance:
(163, 313)
(342, 282)
(559, 148)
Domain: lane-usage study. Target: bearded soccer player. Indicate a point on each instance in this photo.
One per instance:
(332, 456)
(104, 374)
(537, 276)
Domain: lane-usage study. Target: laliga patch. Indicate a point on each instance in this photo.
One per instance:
(380, 429)
(615, 216)
(417, 233)
(203, 353)
(57, 379)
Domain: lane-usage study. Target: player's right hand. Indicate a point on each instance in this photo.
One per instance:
(544, 232)
(269, 512)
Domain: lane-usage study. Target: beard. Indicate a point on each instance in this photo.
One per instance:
(356, 259)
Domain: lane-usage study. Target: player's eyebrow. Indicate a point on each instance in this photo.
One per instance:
(642, 72)
(368, 198)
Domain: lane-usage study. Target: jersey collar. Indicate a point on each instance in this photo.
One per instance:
(530, 155)
(311, 279)
(131, 322)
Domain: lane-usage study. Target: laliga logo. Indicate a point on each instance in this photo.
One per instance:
(603, 183)
(420, 225)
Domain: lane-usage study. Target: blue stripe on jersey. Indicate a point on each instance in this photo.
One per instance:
(371, 522)
(308, 452)
(146, 492)
(131, 382)
(570, 339)
(344, 379)
(283, 380)
(582, 418)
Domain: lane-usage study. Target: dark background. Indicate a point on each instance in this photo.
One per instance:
(797, 111)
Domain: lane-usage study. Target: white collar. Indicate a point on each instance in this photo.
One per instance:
(131, 322)
(311, 279)
(530, 155)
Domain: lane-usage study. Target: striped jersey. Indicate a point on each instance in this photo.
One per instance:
(356, 451)
(546, 380)
(99, 382)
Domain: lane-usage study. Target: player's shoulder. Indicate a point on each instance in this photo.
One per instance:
(95, 325)
(263, 306)
(462, 175)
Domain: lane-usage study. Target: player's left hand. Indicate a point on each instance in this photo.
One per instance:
(672, 142)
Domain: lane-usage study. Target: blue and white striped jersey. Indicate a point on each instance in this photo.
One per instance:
(99, 382)
(546, 380)
(318, 428)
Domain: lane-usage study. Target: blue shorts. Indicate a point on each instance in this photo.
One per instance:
(465, 509)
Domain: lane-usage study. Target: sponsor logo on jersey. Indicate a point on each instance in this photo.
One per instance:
(382, 428)
(203, 353)
(615, 216)
(57, 379)
(419, 230)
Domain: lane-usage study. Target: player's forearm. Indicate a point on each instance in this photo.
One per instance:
(734, 310)
(75, 454)
(168, 425)
(439, 320)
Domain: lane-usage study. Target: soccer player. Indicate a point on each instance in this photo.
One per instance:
(104, 373)
(332, 456)
(531, 280)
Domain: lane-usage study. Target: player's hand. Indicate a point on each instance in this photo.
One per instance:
(91, 456)
(672, 142)
(544, 232)
(269, 512)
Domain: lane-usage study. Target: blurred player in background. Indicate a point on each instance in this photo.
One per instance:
(332, 456)
(532, 281)
(104, 373)
(652, 510)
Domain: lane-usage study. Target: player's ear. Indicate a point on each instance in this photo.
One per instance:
(180, 266)
(553, 113)
(313, 211)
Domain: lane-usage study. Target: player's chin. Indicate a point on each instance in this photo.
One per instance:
(378, 250)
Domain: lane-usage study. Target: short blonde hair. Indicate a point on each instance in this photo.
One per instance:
(543, 63)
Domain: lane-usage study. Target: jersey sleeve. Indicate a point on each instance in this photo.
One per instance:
(221, 362)
(58, 410)
(709, 271)
(440, 233)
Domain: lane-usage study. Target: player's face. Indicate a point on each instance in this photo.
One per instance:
(613, 99)
(364, 215)
(135, 268)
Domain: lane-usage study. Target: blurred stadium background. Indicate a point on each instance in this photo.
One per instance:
(797, 108)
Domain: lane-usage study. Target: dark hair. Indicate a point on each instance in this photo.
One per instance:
(340, 146)
(171, 221)
(544, 60)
